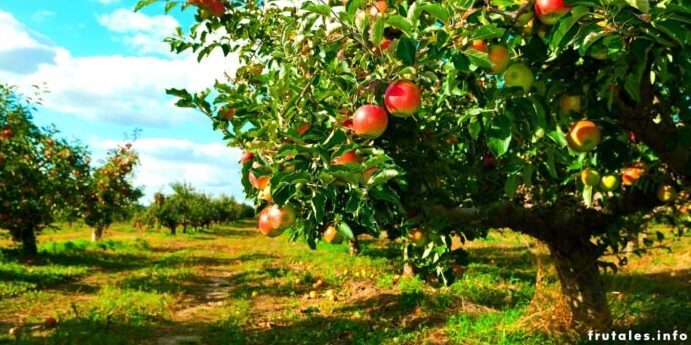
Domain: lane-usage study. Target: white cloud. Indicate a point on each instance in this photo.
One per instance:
(16, 36)
(41, 15)
(210, 168)
(143, 33)
(126, 90)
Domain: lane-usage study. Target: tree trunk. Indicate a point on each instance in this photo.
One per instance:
(96, 234)
(354, 246)
(184, 228)
(582, 285)
(29, 241)
(172, 229)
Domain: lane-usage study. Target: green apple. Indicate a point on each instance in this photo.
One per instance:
(590, 177)
(519, 74)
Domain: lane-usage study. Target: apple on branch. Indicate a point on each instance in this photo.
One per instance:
(402, 98)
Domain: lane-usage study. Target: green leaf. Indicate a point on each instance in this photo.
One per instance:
(551, 167)
(540, 117)
(345, 230)
(478, 58)
(632, 82)
(400, 22)
(324, 10)
(381, 177)
(641, 5)
(675, 30)
(318, 205)
(511, 186)
(528, 171)
(337, 137)
(474, 127)
(436, 10)
(352, 6)
(406, 50)
(499, 135)
(588, 195)
(382, 192)
(353, 203)
(590, 38)
(487, 32)
(170, 6)
(564, 26)
(378, 31)
(143, 3)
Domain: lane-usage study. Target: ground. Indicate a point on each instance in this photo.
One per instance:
(230, 285)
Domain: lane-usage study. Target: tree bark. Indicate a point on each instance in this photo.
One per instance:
(354, 247)
(96, 234)
(582, 285)
(29, 241)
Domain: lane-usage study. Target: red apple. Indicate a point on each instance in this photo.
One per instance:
(569, 103)
(303, 128)
(229, 114)
(246, 157)
(479, 45)
(499, 56)
(331, 235)
(281, 218)
(6, 133)
(346, 158)
(631, 174)
(583, 136)
(259, 182)
(266, 225)
(385, 44)
(378, 8)
(417, 237)
(402, 98)
(50, 322)
(370, 121)
(215, 7)
(632, 137)
(489, 161)
(549, 11)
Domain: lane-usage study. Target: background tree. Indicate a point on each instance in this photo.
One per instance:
(445, 119)
(187, 207)
(40, 174)
(110, 192)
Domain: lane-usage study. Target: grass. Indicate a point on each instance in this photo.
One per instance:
(232, 286)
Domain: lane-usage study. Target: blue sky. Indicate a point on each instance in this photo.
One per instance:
(106, 71)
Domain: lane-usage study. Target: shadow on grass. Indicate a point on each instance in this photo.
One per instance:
(508, 263)
(658, 301)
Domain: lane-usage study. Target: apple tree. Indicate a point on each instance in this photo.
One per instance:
(40, 174)
(110, 192)
(565, 121)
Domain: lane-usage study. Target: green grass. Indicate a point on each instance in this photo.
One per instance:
(231, 286)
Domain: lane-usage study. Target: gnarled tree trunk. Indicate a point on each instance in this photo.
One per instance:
(28, 238)
(96, 234)
(354, 246)
(582, 284)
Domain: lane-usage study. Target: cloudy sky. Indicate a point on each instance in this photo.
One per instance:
(106, 70)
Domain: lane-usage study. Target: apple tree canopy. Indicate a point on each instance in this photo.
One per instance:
(496, 141)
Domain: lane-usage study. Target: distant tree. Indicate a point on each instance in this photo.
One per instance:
(110, 192)
(40, 174)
